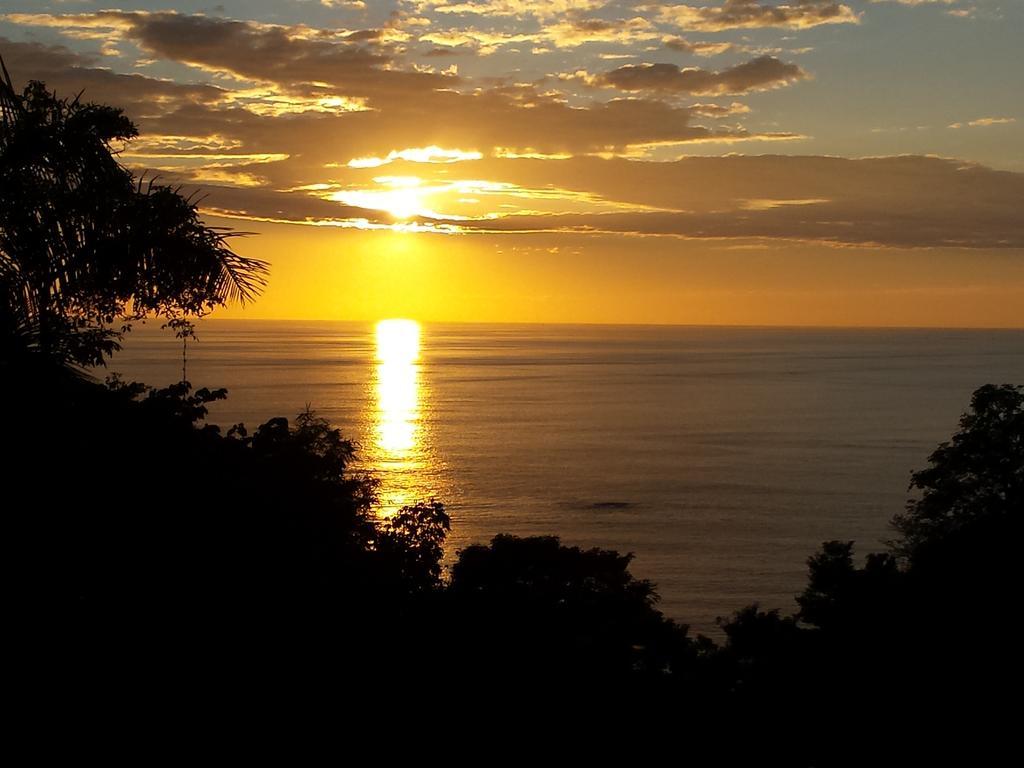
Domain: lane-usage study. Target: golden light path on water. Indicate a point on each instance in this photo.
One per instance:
(400, 456)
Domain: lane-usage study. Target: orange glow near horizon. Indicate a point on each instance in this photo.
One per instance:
(578, 162)
(330, 274)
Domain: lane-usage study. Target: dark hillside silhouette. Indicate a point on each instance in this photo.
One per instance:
(144, 540)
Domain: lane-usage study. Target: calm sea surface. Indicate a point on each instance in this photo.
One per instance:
(721, 457)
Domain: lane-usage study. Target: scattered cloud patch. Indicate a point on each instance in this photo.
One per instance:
(753, 14)
(984, 122)
(431, 154)
(762, 73)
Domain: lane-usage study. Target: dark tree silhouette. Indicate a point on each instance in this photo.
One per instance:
(533, 607)
(840, 596)
(84, 247)
(975, 479)
(413, 539)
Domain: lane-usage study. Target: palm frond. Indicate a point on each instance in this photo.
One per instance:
(82, 241)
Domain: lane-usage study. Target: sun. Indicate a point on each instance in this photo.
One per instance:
(402, 203)
(401, 196)
(398, 341)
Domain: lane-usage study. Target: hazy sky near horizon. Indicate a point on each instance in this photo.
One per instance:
(736, 161)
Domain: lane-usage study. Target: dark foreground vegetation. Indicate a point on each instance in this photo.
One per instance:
(165, 565)
(152, 548)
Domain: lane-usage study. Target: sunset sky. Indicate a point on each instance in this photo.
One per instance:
(805, 162)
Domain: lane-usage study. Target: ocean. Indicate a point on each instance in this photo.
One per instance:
(720, 457)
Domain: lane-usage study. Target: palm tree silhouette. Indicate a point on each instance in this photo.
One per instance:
(85, 249)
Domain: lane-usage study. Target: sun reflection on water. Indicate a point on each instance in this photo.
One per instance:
(398, 442)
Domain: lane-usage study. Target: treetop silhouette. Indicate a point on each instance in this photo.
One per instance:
(85, 248)
(975, 479)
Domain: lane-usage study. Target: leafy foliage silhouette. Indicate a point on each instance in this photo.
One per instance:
(974, 480)
(530, 606)
(85, 249)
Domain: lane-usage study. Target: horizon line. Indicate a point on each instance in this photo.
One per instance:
(753, 326)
